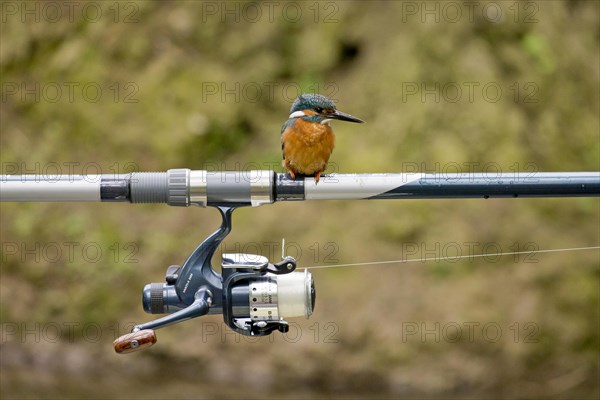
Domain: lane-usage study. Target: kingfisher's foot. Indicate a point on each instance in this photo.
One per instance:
(317, 177)
(293, 175)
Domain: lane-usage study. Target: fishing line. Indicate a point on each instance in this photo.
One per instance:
(531, 252)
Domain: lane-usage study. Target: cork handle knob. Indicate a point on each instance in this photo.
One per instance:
(135, 341)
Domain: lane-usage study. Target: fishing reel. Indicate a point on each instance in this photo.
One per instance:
(253, 294)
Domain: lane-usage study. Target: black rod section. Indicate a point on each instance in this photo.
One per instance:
(440, 186)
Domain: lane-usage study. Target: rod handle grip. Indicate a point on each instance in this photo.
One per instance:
(134, 341)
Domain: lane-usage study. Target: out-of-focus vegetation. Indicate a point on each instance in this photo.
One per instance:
(208, 85)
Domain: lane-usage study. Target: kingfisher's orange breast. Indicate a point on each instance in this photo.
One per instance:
(307, 147)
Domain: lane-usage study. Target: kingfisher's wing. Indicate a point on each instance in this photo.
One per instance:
(286, 125)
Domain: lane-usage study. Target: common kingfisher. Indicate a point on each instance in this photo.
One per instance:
(307, 140)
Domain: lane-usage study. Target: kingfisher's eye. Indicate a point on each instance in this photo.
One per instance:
(319, 110)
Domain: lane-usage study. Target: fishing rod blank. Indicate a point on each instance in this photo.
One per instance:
(185, 187)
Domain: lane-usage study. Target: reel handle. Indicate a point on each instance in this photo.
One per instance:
(135, 341)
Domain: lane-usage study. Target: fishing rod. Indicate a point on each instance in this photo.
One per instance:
(185, 187)
(254, 295)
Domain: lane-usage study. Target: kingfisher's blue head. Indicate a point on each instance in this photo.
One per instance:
(318, 109)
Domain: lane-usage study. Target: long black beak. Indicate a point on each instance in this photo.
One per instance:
(342, 116)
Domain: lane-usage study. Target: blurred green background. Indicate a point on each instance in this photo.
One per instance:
(113, 87)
